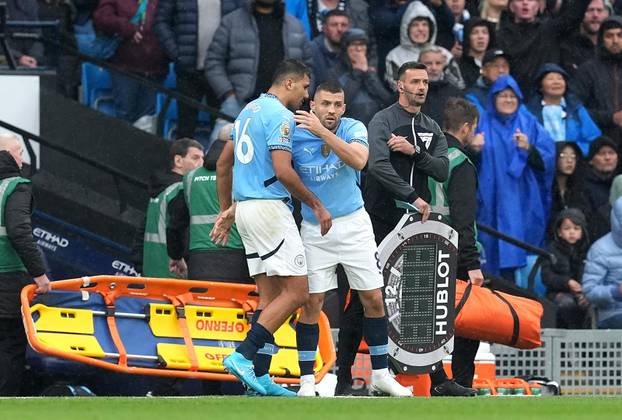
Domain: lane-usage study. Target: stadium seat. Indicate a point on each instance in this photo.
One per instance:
(97, 89)
(522, 276)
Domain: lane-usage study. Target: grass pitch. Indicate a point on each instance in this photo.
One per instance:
(241, 408)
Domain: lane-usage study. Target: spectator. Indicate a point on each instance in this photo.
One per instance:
(561, 113)
(26, 52)
(616, 189)
(461, 16)
(186, 29)
(530, 41)
(602, 163)
(325, 48)
(491, 10)
(21, 263)
(247, 47)
(364, 92)
(597, 82)
(417, 31)
(84, 10)
(386, 18)
(356, 9)
(568, 186)
(67, 65)
(580, 46)
(439, 89)
(563, 276)
(495, 63)
(602, 278)
(139, 53)
(477, 40)
(298, 9)
(515, 177)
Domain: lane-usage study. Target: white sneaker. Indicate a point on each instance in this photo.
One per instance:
(307, 386)
(382, 383)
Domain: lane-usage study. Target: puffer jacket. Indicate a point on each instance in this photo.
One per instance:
(176, 26)
(409, 51)
(233, 56)
(603, 270)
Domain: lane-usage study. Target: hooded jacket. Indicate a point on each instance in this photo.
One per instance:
(602, 276)
(469, 69)
(569, 259)
(598, 83)
(514, 194)
(580, 127)
(532, 44)
(17, 213)
(409, 51)
(439, 91)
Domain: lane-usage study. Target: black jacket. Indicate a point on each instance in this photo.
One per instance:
(576, 50)
(438, 93)
(394, 175)
(462, 197)
(598, 84)
(177, 29)
(530, 45)
(17, 212)
(596, 192)
(569, 259)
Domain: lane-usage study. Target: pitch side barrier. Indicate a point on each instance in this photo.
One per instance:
(161, 327)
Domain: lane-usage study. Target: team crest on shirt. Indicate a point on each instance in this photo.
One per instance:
(325, 150)
(285, 130)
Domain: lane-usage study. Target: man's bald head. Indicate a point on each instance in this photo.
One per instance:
(12, 144)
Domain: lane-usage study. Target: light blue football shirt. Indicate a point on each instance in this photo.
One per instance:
(336, 184)
(265, 124)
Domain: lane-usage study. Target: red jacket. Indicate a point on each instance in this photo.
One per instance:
(112, 17)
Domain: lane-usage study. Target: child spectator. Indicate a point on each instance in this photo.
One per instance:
(602, 280)
(563, 276)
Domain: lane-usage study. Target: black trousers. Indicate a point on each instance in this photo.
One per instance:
(192, 83)
(351, 333)
(12, 356)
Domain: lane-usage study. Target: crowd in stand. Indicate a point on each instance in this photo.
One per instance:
(546, 76)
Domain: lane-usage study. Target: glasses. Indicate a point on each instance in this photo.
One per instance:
(568, 157)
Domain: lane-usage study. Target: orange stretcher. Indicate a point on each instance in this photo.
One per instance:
(162, 327)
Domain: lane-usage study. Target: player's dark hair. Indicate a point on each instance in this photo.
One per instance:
(458, 111)
(330, 86)
(409, 65)
(295, 69)
(180, 147)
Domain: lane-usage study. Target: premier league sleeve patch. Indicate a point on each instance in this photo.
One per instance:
(281, 135)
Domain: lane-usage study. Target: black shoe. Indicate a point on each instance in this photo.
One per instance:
(345, 389)
(451, 388)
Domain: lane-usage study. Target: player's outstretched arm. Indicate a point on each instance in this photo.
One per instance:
(352, 154)
(224, 176)
(282, 163)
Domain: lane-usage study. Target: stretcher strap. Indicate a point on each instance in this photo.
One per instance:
(180, 308)
(116, 338)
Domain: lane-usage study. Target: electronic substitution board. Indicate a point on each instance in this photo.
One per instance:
(418, 263)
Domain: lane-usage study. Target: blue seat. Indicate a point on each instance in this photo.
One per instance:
(97, 89)
(522, 276)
